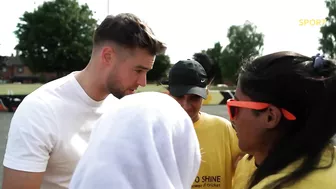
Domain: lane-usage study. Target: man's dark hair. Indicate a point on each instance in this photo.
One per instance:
(128, 31)
(207, 64)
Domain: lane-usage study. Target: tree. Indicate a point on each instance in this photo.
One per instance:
(3, 60)
(215, 54)
(245, 43)
(56, 37)
(161, 65)
(207, 64)
(327, 42)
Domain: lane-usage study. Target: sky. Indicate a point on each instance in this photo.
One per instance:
(189, 26)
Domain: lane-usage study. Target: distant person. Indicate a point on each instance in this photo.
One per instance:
(284, 114)
(50, 129)
(208, 65)
(219, 144)
(152, 146)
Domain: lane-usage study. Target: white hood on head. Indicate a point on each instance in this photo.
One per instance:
(147, 141)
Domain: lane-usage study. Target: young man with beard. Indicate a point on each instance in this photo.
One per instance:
(51, 127)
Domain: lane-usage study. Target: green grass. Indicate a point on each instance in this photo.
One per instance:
(23, 89)
(152, 87)
(18, 89)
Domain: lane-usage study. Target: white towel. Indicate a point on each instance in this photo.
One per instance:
(147, 141)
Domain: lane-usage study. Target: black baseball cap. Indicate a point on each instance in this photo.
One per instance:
(187, 77)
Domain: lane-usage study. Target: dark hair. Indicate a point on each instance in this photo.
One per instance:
(207, 64)
(128, 31)
(292, 81)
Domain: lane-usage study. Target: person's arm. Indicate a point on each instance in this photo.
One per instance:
(13, 179)
(31, 139)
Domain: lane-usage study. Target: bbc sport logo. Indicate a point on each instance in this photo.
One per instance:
(312, 22)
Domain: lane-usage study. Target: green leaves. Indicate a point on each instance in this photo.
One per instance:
(161, 65)
(327, 42)
(57, 36)
(244, 42)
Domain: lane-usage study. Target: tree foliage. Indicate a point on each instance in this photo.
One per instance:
(207, 64)
(328, 40)
(244, 42)
(215, 53)
(161, 65)
(56, 37)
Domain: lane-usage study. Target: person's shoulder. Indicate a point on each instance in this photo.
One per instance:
(324, 176)
(215, 118)
(33, 110)
(247, 158)
(34, 100)
(41, 100)
(246, 163)
(50, 89)
(216, 121)
(318, 178)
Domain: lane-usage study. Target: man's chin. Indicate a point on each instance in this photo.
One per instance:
(118, 95)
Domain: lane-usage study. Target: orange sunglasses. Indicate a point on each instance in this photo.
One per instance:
(234, 105)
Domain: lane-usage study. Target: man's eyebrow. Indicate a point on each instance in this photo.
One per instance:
(142, 67)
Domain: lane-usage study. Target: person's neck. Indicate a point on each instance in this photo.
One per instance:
(262, 153)
(259, 157)
(197, 117)
(268, 143)
(91, 83)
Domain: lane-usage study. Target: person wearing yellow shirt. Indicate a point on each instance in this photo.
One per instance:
(187, 84)
(283, 113)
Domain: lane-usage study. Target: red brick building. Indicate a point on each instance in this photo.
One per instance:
(13, 70)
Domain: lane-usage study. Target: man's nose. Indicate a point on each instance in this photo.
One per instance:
(142, 80)
(186, 105)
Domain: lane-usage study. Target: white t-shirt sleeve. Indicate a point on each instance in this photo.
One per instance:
(31, 136)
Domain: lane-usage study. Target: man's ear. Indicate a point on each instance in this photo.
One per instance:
(272, 117)
(107, 55)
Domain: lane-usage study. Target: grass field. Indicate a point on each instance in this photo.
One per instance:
(17, 89)
(23, 89)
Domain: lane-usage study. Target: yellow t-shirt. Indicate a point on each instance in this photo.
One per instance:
(219, 149)
(244, 170)
(319, 178)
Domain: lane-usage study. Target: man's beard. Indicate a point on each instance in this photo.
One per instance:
(115, 88)
(114, 85)
(117, 94)
(116, 91)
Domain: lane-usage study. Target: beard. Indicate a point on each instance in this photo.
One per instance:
(116, 92)
(114, 86)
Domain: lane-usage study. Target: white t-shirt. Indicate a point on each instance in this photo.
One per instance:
(50, 130)
(147, 141)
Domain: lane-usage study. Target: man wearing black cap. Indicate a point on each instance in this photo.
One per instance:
(187, 84)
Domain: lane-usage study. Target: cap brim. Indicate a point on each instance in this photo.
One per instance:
(183, 90)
